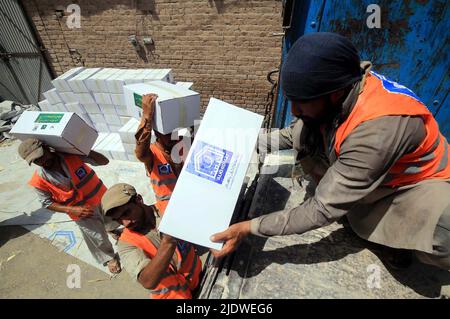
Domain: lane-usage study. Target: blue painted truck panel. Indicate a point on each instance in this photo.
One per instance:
(411, 47)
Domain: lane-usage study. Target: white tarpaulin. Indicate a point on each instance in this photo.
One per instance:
(209, 184)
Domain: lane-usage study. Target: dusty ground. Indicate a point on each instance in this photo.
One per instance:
(39, 270)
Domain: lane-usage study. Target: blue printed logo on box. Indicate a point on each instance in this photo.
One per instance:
(209, 161)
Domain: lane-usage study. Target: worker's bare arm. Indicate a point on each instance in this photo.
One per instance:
(79, 211)
(150, 275)
(144, 132)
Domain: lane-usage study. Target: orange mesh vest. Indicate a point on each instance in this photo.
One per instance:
(175, 284)
(382, 97)
(87, 188)
(162, 178)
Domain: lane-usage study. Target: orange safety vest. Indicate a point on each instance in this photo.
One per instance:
(382, 97)
(87, 188)
(162, 178)
(175, 284)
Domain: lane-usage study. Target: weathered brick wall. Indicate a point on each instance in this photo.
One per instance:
(225, 47)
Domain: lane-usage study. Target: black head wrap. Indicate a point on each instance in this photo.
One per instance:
(319, 63)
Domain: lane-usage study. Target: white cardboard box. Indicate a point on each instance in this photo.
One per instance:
(98, 118)
(187, 85)
(158, 75)
(124, 119)
(68, 97)
(66, 132)
(45, 105)
(211, 179)
(86, 118)
(52, 96)
(92, 108)
(114, 128)
(118, 99)
(129, 148)
(78, 82)
(85, 98)
(101, 127)
(175, 107)
(128, 131)
(112, 119)
(121, 110)
(59, 107)
(98, 81)
(60, 83)
(102, 98)
(107, 109)
(75, 107)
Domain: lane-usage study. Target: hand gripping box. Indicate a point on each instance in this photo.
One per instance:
(65, 132)
(208, 187)
(176, 107)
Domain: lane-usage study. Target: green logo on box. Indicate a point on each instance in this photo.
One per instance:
(137, 100)
(49, 118)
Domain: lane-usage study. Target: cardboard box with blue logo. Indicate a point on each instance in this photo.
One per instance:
(208, 187)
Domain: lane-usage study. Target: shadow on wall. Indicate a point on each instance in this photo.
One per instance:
(221, 6)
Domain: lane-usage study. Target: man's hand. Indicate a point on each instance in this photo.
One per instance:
(148, 106)
(231, 237)
(81, 211)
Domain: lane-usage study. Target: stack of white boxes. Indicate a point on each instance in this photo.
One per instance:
(127, 133)
(96, 95)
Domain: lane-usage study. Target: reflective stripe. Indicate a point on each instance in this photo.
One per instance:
(414, 168)
(163, 182)
(429, 155)
(165, 197)
(167, 289)
(85, 180)
(92, 193)
(75, 194)
(444, 160)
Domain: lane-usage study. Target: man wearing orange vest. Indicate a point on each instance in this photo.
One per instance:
(161, 167)
(169, 268)
(374, 150)
(64, 183)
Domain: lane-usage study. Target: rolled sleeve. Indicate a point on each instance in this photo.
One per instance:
(45, 198)
(132, 258)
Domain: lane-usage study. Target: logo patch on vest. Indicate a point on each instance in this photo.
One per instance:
(209, 162)
(183, 247)
(395, 87)
(81, 172)
(164, 169)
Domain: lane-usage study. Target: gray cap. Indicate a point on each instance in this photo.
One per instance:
(31, 149)
(116, 196)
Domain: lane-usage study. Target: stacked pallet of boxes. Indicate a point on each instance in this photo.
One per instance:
(96, 95)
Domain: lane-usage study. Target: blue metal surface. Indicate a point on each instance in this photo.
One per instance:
(411, 47)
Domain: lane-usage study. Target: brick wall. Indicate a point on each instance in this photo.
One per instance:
(225, 47)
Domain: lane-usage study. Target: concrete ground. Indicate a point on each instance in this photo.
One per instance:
(330, 263)
(31, 267)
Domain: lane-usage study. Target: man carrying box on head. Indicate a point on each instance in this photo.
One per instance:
(161, 168)
(64, 183)
(170, 268)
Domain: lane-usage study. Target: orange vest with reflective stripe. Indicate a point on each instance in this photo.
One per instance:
(87, 188)
(175, 284)
(162, 178)
(382, 97)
